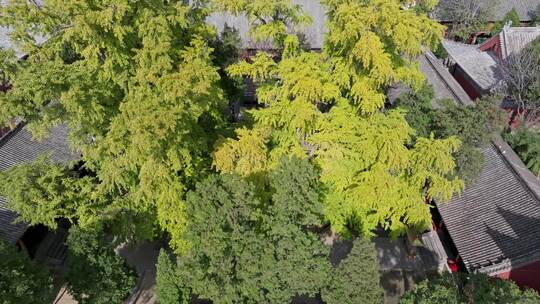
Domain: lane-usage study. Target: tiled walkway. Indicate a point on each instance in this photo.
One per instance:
(402, 266)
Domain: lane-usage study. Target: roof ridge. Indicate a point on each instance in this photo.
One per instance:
(520, 170)
(523, 28)
(4, 139)
(502, 40)
(430, 58)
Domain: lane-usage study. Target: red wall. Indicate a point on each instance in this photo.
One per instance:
(526, 276)
(462, 79)
(493, 45)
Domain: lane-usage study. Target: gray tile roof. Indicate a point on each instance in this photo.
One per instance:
(444, 84)
(18, 147)
(495, 223)
(496, 9)
(9, 230)
(437, 75)
(514, 39)
(480, 66)
(314, 33)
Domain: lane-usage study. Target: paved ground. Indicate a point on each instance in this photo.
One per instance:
(143, 257)
(401, 266)
(399, 269)
(64, 297)
(397, 254)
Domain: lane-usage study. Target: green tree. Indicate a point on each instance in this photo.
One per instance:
(468, 288)
(440, 289)
(469, 163)
(21, 279)
(440, 52)
(470, 123)
(533, 93)
(327, 106)
(169, 288)
(423, 6)
(136, 83)
(96, 274)
(364, 40)
(253, 243)
(43, 192)
(526, 143)
(512, 16)
(467, 16)
(473, 125)
(356, 278)
(227, 50)
(420, 111)
(250, 247)
(479, 288)
(268, 20)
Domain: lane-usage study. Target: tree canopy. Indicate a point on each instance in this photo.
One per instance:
(526, 143)
(257, 244)
(251, 247)
(170, 287)
(327, 107)
(473, 125)
(136, 83)
(96, 274)
(463, 288)
(21, 279)
(349, 283)
(141, 92)
(42, 192)
(143, 87)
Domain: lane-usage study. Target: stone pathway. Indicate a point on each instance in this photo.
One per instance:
(64, 297)
(143, 257)
(399, 269)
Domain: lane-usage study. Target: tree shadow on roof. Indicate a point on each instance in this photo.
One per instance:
(518, 239)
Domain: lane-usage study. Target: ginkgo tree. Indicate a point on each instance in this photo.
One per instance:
(268, 20)
(136, 84)
(329, 106)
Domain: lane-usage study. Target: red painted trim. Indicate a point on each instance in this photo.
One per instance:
(526, 276)
(493, 45)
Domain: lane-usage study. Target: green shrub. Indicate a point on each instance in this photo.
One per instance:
(526, 143)
(21, 279)
(463, 288)
(512, 15)
(96, 274)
